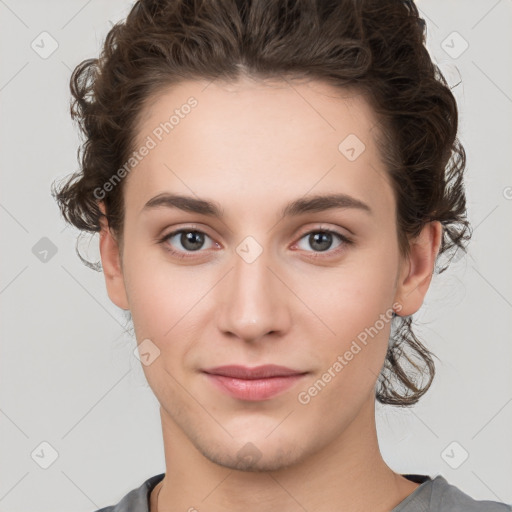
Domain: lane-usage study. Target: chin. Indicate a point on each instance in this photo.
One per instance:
(254, 456)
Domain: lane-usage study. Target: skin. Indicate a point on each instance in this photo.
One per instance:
(253, 147)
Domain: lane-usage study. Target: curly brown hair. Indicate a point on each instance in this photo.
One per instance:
(375, 46)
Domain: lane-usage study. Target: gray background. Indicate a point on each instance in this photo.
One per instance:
(68, 374)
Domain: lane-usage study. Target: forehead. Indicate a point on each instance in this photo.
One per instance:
(214, 139)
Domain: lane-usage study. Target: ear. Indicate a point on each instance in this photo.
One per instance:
(111, 263)
(416, 271)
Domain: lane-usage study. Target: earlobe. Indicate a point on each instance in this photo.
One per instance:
(416, 273)
(111, 263)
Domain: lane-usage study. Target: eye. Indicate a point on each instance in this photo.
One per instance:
(321, 240)
(190, 240)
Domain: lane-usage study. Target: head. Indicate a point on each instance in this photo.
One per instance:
(262, 117)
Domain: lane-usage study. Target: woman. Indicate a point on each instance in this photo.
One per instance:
(273, 184)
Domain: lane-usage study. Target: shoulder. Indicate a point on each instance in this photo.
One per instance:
(447, 497)
(137, 499)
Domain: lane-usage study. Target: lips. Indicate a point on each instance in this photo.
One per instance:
(253, 384)
(258, 372)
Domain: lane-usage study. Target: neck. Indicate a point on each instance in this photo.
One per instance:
(349, 473)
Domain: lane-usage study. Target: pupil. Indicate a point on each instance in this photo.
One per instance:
(189, 238)
(192, 240)
(317, 238)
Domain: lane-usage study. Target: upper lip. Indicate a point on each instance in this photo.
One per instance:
(257, 372)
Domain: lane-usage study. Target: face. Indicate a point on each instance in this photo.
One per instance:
(253, 286)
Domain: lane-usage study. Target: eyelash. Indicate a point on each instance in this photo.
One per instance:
(318, 254)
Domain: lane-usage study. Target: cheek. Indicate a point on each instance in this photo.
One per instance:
(358, 311)
(355, 302)
(353, 296)
(159, 294)
(160, 302)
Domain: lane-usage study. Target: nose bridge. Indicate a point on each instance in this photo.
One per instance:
(254, 302)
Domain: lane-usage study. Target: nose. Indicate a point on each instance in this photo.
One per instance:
(253, 302)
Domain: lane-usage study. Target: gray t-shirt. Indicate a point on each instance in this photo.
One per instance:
(433, 495)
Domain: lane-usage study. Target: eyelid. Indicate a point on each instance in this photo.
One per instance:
(322, 228)
(189, 227)
(162, 239)
(345, 240)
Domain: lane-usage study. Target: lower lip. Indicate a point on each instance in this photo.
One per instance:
(256, 389)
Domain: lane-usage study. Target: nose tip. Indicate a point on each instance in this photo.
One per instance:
(250, 330)
(251, 302)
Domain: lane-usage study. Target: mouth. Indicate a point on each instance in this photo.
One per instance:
(253, 384)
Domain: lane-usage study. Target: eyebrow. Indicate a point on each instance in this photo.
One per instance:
(308, 204)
